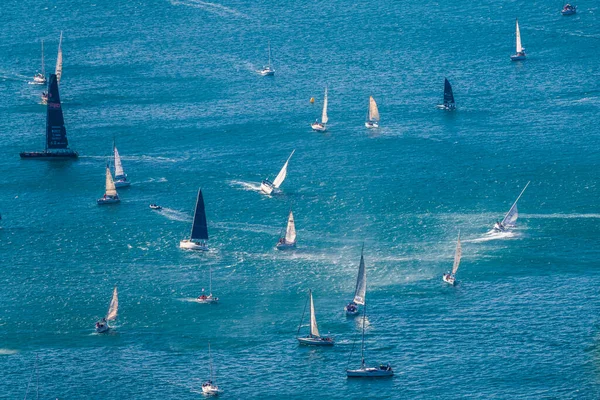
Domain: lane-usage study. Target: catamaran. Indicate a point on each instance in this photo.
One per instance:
(120, 176)
(209, 387)
(102, 325)
(372, 115)
(57, 145)
(361, 288)
(368, 372)
(520, 54)
(450, 277)
(57, 70)
(199, 235)
(313, 338)
(268, 70)
(203, 298)
(448, 103)
(267, 186)
(321, 126)
(288, 241)
(511, 216)
(110, 194)
(40, 77)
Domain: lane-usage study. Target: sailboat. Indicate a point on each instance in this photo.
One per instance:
(110, 194)
(511, 216)
(57, 70)
(361, 288)
(313, 338)
(209, 388)
(204, 299)
(288, 241)
(372, 115)
(368, 372)
(120, 176)
(520, 55)
(57, 145)
(102, 325)
(267, 186)
(450, 277)
(449, 103)
(199, 235)
(321, 126)
(268, 70)
(40, 77)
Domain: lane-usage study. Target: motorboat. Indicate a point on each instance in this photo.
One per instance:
(155, 207)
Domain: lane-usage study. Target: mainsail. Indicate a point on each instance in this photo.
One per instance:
(519, 46)
(114, 306)
(56, 134)
(324, 118)
(59, 60)
(373, 111)
(119, 173)
(314, 330)
(448, 95)
(111, 190)
(199, 228)
(513, 213)
(361, 282)
(283, 173)
(457, 256)
(290, 233)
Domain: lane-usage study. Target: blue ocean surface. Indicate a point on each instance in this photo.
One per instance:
(174, 83)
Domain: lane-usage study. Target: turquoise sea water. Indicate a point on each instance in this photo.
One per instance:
(174, 82)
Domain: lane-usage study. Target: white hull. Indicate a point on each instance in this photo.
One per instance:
(369, 373)
(210, 390)
(449, 279)
(315, 341)
(102, 328)
(316, 126)
(351, 313)
(155, 207)
(266, 187)
(108, 200)
(192, 245)
(446, 107)
(518, 57)
(267, 72)
(207, 300)
(122, 183)
(372, 124)
(38, 80)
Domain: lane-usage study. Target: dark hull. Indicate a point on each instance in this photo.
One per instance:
(46, 155)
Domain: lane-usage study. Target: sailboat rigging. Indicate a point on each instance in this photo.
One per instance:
(268, 70)
(511, 216)
(450, 277)
(361, 288)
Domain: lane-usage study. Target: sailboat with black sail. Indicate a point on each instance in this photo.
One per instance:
(199, 235)
(57, 145)
(288, 241)
(313, 338)
(361, 288)
(448, 103)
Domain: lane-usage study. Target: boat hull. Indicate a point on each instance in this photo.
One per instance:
(266, 187)
(108, 200)
(449, 279)
(314, 341)
(518, 57)
(122, 183)
(47, 155)
(211, 390)
(372, 125)
(266, 72)
(446, 107)
(285, 246)
(207, 299)
(188, 244)
(155, 207)
(102, 328)
(316, 126)
(369, 373)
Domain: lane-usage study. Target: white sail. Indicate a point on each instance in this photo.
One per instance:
(114, 306)
(118, 166)
(519, 46)
(59, 60)
(361, 283)
(314, 330)
(283, 173)
(457, 256)
(373, 111)
(111, 190)
(324, 117)
(511, 216)
(290, 233)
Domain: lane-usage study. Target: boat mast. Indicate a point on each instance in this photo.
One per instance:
(303, 312)
(43, 69)
(210, 363)
(269, 53)
(517, 200)
(362, 346)
(210, 280)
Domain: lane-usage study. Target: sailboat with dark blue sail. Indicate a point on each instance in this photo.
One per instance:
(57, 145)
(199, 235)
(449, 103)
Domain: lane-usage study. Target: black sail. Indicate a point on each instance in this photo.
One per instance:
(56, 134)
(199, 228)
(448, 95)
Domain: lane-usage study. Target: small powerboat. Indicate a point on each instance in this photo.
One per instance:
(569, 10)
(155, 207)
(370, 372)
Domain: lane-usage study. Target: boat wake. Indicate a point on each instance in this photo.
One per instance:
(175, 215)
(214, 8)
(251, 186)
(8, 352)
(492, 235)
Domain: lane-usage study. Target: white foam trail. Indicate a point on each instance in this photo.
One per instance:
(491, 236)
(8, 352)
(214, 8)
(175, 215)
(559, 216)
(247, 185)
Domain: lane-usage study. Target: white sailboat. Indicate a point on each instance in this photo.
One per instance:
(450, 277)
(267, 186)
(40, 77)
(110, 194)
(321, 126)
(288, 241)
(267, 70)
(313, 338)
(208, 299)
(102, 325)
(120, 175)
(209, 388)
(520, 54)
(372, 115)
(57, 70)
(361, 288)
(382, 371)
(199, 236)
(511, 216)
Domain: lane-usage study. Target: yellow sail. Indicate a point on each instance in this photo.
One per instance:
(111, 190)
